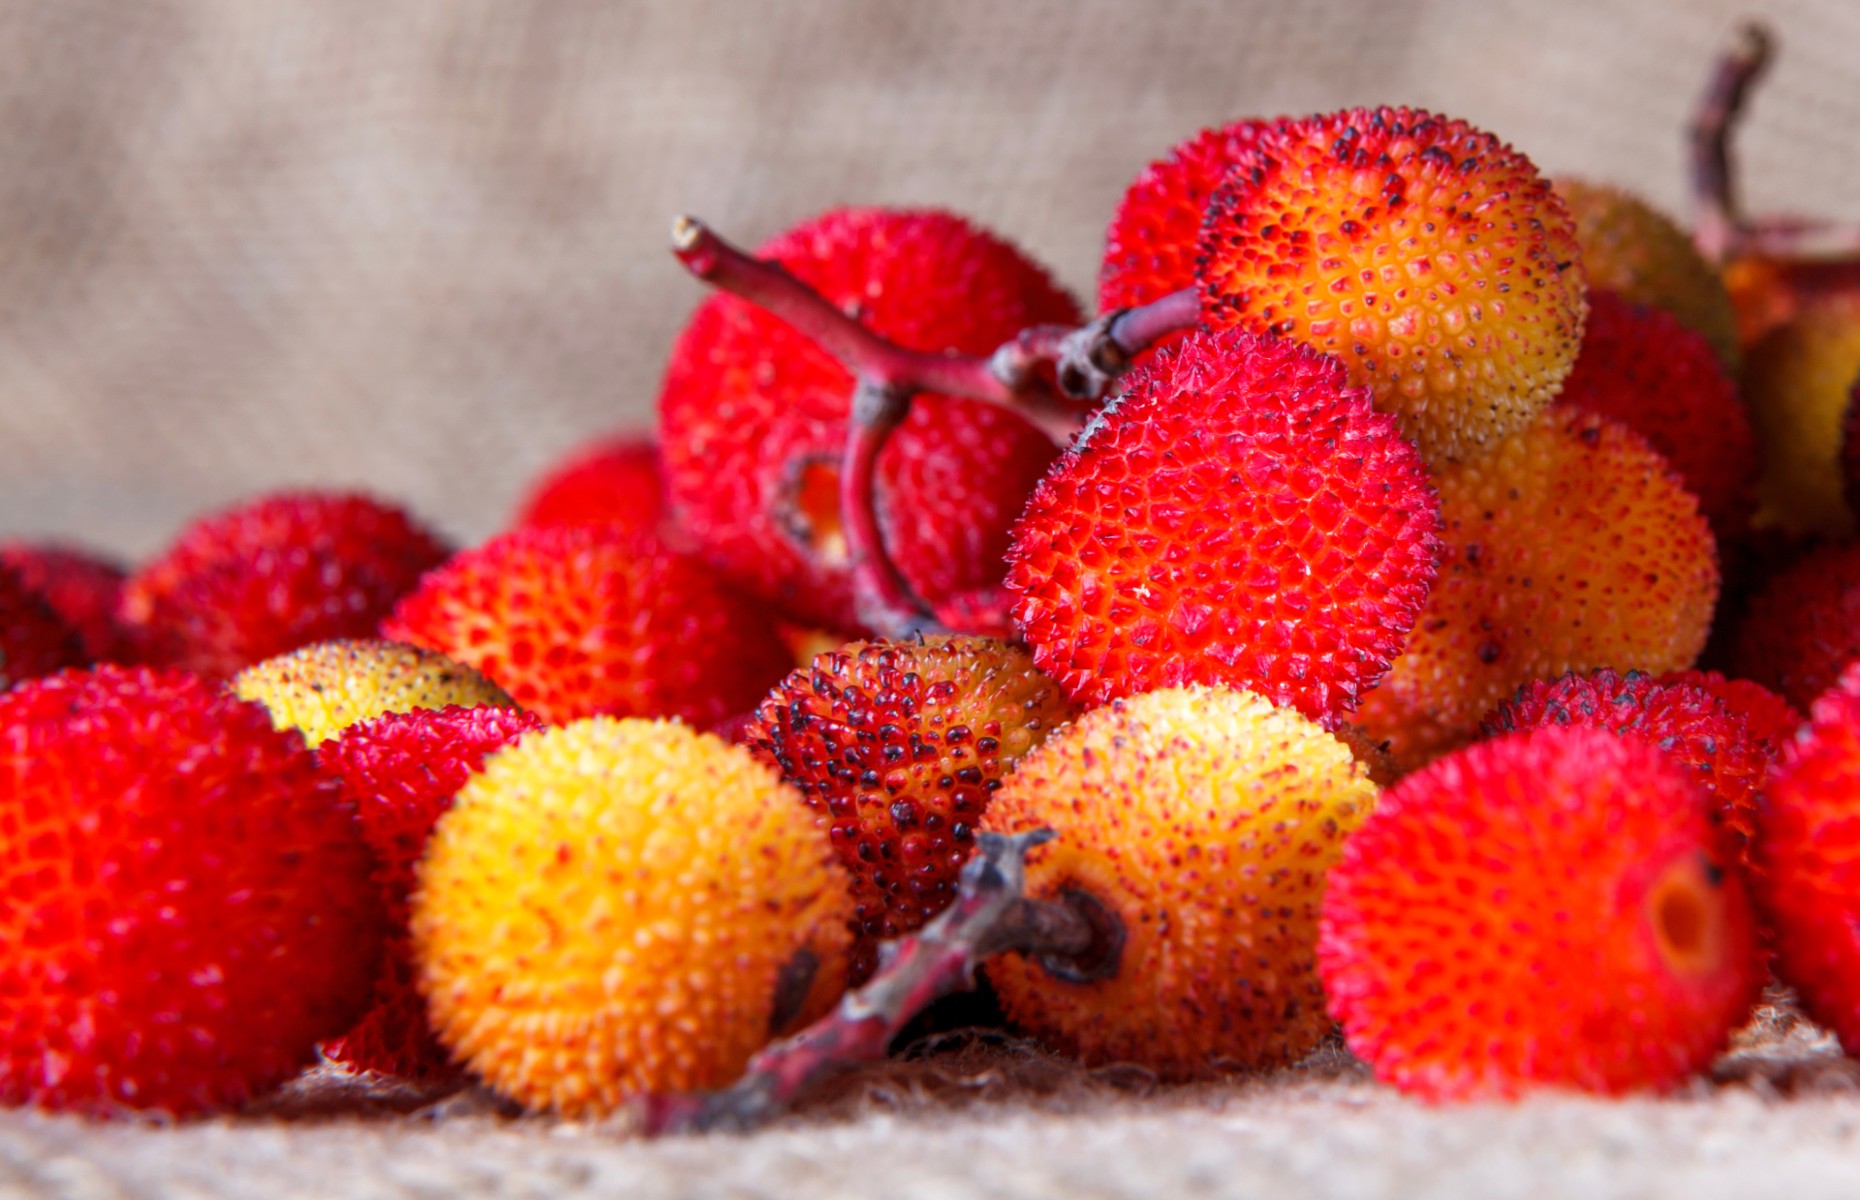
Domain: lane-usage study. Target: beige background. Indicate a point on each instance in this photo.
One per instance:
(419, 247)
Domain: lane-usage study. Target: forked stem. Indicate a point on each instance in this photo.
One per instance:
(1030, 374)
(990, 914)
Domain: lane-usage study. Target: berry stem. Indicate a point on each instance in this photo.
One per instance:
(1083, 362)
(990, 914)
(1718, 222)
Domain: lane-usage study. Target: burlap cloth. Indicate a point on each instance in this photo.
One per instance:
(420, 248)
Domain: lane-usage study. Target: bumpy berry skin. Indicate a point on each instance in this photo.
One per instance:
(754, 415)
(617, 481)
(402, 769)
(1239, 517)
(1808, 856)
(83, 588)
(1571, 546)
(1798, 381)
(616, 908)
(1203, 821)
(1685, 722)
(1549, 909)
(1803, 626)
(271, 575)
(898, 746)
(1149, 249)
(1428, 256)
(34, 639)
(322, 689)
(1642, 367)
(1769, 718)
(1641, 254)
(574, 620)
(189, 909)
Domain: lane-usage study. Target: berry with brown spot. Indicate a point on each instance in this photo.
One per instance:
(898, 746)
(1238, 517)
(1196, 827)
(1543, 910)
(1427, 255)
(616, 908)
(1571, 546)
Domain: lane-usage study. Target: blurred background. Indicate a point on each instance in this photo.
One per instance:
(420, 248)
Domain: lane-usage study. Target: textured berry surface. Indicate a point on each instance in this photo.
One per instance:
(1642, 367)
(1203, 821)
(1685, 722)
(1150, 247)
(1769, 718)
(1798, 381)
(271, 575)
(402, 769)
(899, 745)
(621, 907)
(188, 903)
(322, 689)
(1803, 626)
(34, 639)
(613, 481)
(1240, 517)
(1548, 909)
(1428, 256)
(574, 620)
(83, 588)
(754, 414)
(1808, 856)
(1641, 254)
(1571, 546)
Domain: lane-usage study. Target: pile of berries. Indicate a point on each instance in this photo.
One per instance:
(1402, 606)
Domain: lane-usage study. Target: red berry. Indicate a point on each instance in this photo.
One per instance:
(1685, 722)
(1803, 626)
(189, 905)
(274, 574)
(1643, 367)
(1239, 517)
(402, 770)
(1771, 720)
(1548, 909)
(1808, 857)
(574, 620)
(755, 414)
(80, 587)
(34, 640)
(614, 481)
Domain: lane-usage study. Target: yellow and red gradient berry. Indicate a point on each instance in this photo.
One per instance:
(1149, 249)
(621, 907)
(575, 620)
(1803, 626)
(271, 575)
(402, 769)
(1641, 254)
(1427, 255)
(1198, 824)
(1807, 852)
(1642, 367)
(616, 480)
(1571, 546)
(1544, 910)
(81, 586)
(1687, 723)
(898, 746)
(754, 414)
(1239, 517)
(1798, 381)
(189, 909)
(322, 689)
(34, 639)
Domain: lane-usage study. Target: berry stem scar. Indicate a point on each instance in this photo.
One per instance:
(1033, 374)
(990, 914)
